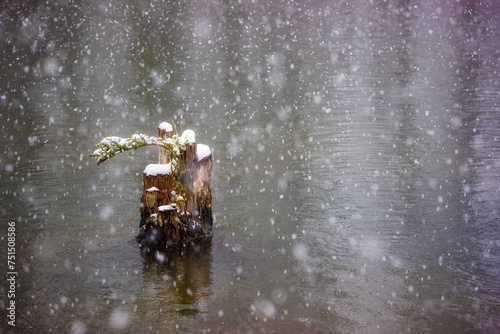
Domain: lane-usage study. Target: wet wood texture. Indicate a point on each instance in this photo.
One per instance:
(165, 218)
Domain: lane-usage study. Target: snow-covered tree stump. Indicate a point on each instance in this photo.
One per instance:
(176, 203)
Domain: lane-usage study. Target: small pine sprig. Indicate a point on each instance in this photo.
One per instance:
(110, 146)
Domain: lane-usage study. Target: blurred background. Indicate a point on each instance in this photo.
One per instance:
(356, 164)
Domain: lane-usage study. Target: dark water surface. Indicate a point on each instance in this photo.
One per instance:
(356, 176)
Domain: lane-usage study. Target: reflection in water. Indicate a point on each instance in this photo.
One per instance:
(185, 271)
(355, 178)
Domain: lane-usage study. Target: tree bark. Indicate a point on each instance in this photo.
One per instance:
(163, 157)
(167, 218)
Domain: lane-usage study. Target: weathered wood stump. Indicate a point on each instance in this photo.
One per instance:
(176, 203)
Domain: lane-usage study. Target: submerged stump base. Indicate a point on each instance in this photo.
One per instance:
(168, 226)
(177, 208)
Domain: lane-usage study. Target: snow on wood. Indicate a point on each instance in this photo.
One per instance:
(181, 209)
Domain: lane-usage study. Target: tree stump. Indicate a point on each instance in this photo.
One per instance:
(177, 206)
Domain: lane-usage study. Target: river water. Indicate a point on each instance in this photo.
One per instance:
(356, 165)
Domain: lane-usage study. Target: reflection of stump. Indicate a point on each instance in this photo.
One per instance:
(177, 209)
(190, 266)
